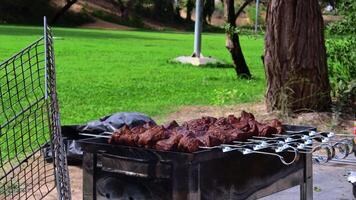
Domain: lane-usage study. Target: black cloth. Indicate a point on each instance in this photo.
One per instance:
(115, 121)
(105, 124)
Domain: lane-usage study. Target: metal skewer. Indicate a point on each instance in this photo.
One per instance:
(297, 142)
(96, 136)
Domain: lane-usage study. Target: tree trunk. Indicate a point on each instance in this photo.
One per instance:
(129, 10)
(189, 5)
(208, 11)
(62, 11)
(164, 9)
(233, 41)
(295, 57)
(124, 14)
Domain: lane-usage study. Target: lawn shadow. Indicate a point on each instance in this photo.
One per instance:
(80, 33)
(210, 65)
(217, 65)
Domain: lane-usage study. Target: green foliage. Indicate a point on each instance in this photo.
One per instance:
(251, 13)
(22, 11)
(219, 8)
(32, 12)
(229, 29)
(101, 71)
(10, 188)
(346, 8)
(225, 95)
(342, 57)
(342, 70)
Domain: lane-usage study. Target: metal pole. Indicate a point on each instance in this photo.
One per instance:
(45, 55)
(257, 15)
(198, 28)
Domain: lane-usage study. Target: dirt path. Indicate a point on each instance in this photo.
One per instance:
(329, 182)
(76, 181)
(100, 24)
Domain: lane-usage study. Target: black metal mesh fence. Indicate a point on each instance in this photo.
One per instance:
(29, 122)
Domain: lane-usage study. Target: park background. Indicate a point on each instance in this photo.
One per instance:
(116, 55)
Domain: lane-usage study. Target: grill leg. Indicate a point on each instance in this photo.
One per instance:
(89, 178)
(186, 182)
(306, 188)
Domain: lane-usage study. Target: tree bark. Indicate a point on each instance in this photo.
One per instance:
(189, 5)
(62, 11)
(124, 13)
(295, 57)
(208, 11)
(164, 8)
(233, 41)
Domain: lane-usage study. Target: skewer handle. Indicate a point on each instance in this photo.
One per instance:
(96, 136)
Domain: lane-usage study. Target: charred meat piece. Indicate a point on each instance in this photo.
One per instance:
(238, 135)
(124, 136)
(128, 139)
(206, 131)
(232, 119)
(245, 116)
(265, 130)
(253, 130)
(149, 138)
(189, 143)
(114, 138)
(278, 125)
(199, 126)
(149, 125)
(170, 143)
(218, 133)
(242, 125)
(210, 140)
(171, 125)
(138, 129)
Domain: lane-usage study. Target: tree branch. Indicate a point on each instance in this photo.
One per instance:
(241, 9)
(63, 10)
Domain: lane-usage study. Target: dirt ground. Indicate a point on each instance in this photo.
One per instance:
(331, 179)
(100, 24)
(323, 121)
(329, 183)
(76, 177)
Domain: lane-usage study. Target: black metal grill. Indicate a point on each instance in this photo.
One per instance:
(114, 171)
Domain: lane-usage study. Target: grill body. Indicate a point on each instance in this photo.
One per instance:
(122, 172)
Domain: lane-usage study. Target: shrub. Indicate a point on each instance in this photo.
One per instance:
(341, 51)
(342, 71)
(251, 13)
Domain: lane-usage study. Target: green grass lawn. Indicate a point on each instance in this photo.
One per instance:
(100, 72)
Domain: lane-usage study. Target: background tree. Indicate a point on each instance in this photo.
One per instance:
(164, 8)
(209, 8)
(189, 5)
(232, 37)
(24, 11)
(295, 57)
(69, 3)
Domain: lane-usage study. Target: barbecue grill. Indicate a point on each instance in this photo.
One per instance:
(223, 172)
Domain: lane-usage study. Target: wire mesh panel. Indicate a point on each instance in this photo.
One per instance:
(29, 123)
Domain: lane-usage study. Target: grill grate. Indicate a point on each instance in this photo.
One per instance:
(29, 121)
(296, 139)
